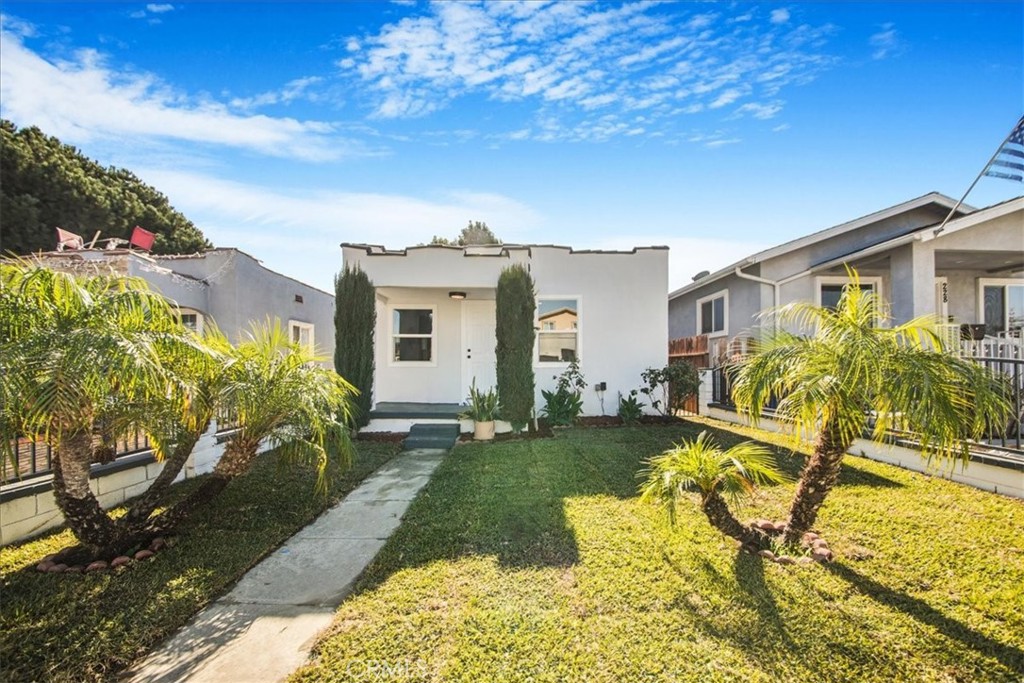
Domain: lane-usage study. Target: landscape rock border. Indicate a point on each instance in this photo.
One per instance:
(51, 564)
(816, 547)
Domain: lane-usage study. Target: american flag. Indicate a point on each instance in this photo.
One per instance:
(1010, 156)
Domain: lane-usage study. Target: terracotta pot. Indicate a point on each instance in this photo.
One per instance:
(483, 431)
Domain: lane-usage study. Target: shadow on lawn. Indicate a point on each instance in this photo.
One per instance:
(507, 499)
(1010, 657)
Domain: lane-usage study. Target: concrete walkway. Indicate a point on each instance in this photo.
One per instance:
(263, 629)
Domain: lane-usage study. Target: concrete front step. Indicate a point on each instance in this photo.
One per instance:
(431, 436)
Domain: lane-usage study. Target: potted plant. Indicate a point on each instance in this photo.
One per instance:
(482, 408)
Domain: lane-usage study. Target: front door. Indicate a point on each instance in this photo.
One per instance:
(478, 342)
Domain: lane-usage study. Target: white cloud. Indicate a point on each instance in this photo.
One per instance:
(159, 8)
(759, 110)
(580, 56)
(17, 27)
(781, 127)
(886, 42)
(298, 231)
(715, 144)
(81, 98)
(292, 90)
(727, 97)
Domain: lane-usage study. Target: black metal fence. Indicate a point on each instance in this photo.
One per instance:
(35, 458)
(1010, 435)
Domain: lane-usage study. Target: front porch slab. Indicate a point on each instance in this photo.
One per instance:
(411, 411)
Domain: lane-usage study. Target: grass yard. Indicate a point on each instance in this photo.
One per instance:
(534, 561)
(89, 627)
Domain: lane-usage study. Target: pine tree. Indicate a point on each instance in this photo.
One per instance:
(45, 184)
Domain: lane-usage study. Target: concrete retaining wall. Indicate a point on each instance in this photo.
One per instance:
(29, 509)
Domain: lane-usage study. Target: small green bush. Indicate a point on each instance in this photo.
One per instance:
(630, 408)
(563, 405)
(668, 388)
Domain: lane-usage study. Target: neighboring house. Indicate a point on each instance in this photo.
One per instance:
(436, 317)
(972, 271)
(225, 285)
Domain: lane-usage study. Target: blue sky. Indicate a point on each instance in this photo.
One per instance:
(716, 128)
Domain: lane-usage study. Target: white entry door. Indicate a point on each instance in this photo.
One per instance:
(478, 341)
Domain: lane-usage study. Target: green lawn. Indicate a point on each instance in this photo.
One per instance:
(89, 627)
(533, 560)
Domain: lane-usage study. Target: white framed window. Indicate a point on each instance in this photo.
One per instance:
(829, 288)
(1001, 306)
(301, 333)
(192, 319)
(413, 335)
(713, 314)
(558, 329)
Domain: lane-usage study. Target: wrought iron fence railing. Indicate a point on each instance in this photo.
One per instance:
(31, 459)
(1009, 435)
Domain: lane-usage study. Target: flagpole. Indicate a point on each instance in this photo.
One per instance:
(999, 149)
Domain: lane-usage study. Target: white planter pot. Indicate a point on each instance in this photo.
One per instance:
(483, 431)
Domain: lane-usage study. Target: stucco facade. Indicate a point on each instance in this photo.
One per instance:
(226, 286)
(619, 299)
(917, 269)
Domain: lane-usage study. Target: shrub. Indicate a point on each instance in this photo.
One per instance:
(355, 316)
(563, 405)
(668, 388)
(630, 408)
(515, 308)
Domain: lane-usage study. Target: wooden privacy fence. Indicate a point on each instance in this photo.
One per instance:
(692, 350)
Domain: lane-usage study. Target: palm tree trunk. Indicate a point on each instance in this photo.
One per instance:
(82, 512)
(819, 475)
(718, 513)
(142, 507)
(237, 459)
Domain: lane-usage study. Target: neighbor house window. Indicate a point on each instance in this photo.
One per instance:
(1002, 307)
(830, 289)
(193, 320)
(713, 314)
(412, 335)
(301, 333)
(558, 333)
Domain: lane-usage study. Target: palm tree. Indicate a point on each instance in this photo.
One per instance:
(281, 397)
(701, 465)
(175, 422)
(78, 356)
(854, 373)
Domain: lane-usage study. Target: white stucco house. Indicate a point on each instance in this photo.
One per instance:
(436, 318)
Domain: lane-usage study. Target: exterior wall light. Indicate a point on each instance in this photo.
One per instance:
(458, 296)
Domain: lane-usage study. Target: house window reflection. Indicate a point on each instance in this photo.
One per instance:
(557, 330)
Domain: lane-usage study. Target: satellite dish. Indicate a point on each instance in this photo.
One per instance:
(701, 274)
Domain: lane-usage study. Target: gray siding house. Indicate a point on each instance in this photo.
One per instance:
(224, 285)
(971, 271)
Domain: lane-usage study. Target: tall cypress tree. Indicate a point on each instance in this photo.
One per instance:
(355, 317)
(515, 307)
